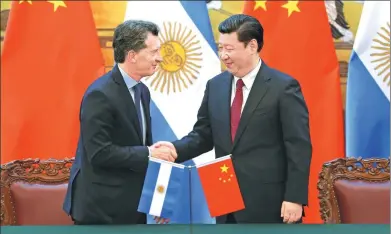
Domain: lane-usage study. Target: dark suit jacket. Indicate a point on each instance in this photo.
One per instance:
(272, 147)
(111, 161)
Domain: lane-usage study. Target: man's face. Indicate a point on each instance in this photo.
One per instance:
(147, 59)
(234, 54)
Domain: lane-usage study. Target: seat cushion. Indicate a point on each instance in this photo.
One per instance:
(363, 202)
(39, 204)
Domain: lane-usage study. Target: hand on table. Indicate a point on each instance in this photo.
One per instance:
(160, 220)
(291, 212)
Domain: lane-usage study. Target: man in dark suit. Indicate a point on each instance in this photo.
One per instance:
(258, 115)
(115, 132)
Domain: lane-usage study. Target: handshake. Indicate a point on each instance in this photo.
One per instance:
(163, 150)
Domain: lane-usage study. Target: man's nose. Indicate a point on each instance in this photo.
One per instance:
(223, 55)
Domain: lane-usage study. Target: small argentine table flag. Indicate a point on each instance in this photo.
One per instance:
(162, 188)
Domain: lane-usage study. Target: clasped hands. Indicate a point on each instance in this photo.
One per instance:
(164, 150)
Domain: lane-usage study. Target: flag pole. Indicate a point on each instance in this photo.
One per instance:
(190, 203)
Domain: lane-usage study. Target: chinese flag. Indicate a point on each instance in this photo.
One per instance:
(221, 188)
(51, 54)
(298, 41)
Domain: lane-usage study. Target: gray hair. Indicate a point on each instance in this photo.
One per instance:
(131, 35)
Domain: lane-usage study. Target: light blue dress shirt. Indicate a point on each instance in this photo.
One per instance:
(130, 83)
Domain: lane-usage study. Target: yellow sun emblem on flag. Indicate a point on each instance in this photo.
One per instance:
(182, 57)
(381, 53)
(160, 189)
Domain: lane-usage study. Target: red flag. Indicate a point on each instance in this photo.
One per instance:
(220, 185)
(51, 54)
(298, 41)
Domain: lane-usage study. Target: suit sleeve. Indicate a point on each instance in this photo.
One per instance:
(200, 139)
(97, 123)
(296, 135)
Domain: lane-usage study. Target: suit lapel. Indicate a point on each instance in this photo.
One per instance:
(127, 102)
(257, 92)
(224, 113)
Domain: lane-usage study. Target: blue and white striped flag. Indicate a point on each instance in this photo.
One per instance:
(368, 85)
(190, 60)
(162, 188)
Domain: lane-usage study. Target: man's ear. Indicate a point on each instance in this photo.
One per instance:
(131, 56)
(253, 45)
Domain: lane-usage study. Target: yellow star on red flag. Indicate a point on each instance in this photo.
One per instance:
(224, 182)
(260, 4)
(28, 1)
(291, 6)
(224, 169)
(57, 4)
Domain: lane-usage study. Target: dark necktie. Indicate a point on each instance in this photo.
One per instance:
(236, 108)
(137, 103)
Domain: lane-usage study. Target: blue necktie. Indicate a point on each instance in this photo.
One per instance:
(137, 102)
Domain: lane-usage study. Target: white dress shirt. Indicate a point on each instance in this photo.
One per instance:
(248, 81)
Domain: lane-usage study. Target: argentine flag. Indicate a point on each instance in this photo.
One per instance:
(189, 60)
(162, 188)
(368, 85)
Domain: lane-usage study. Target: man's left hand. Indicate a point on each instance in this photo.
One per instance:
(160, 220)
(291, 212)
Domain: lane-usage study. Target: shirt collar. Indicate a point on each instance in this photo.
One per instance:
(129, 81)
(248, 79)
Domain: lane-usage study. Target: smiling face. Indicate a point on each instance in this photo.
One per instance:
(147, 59)
(237, 56)
(137, 48)
(240, 42)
